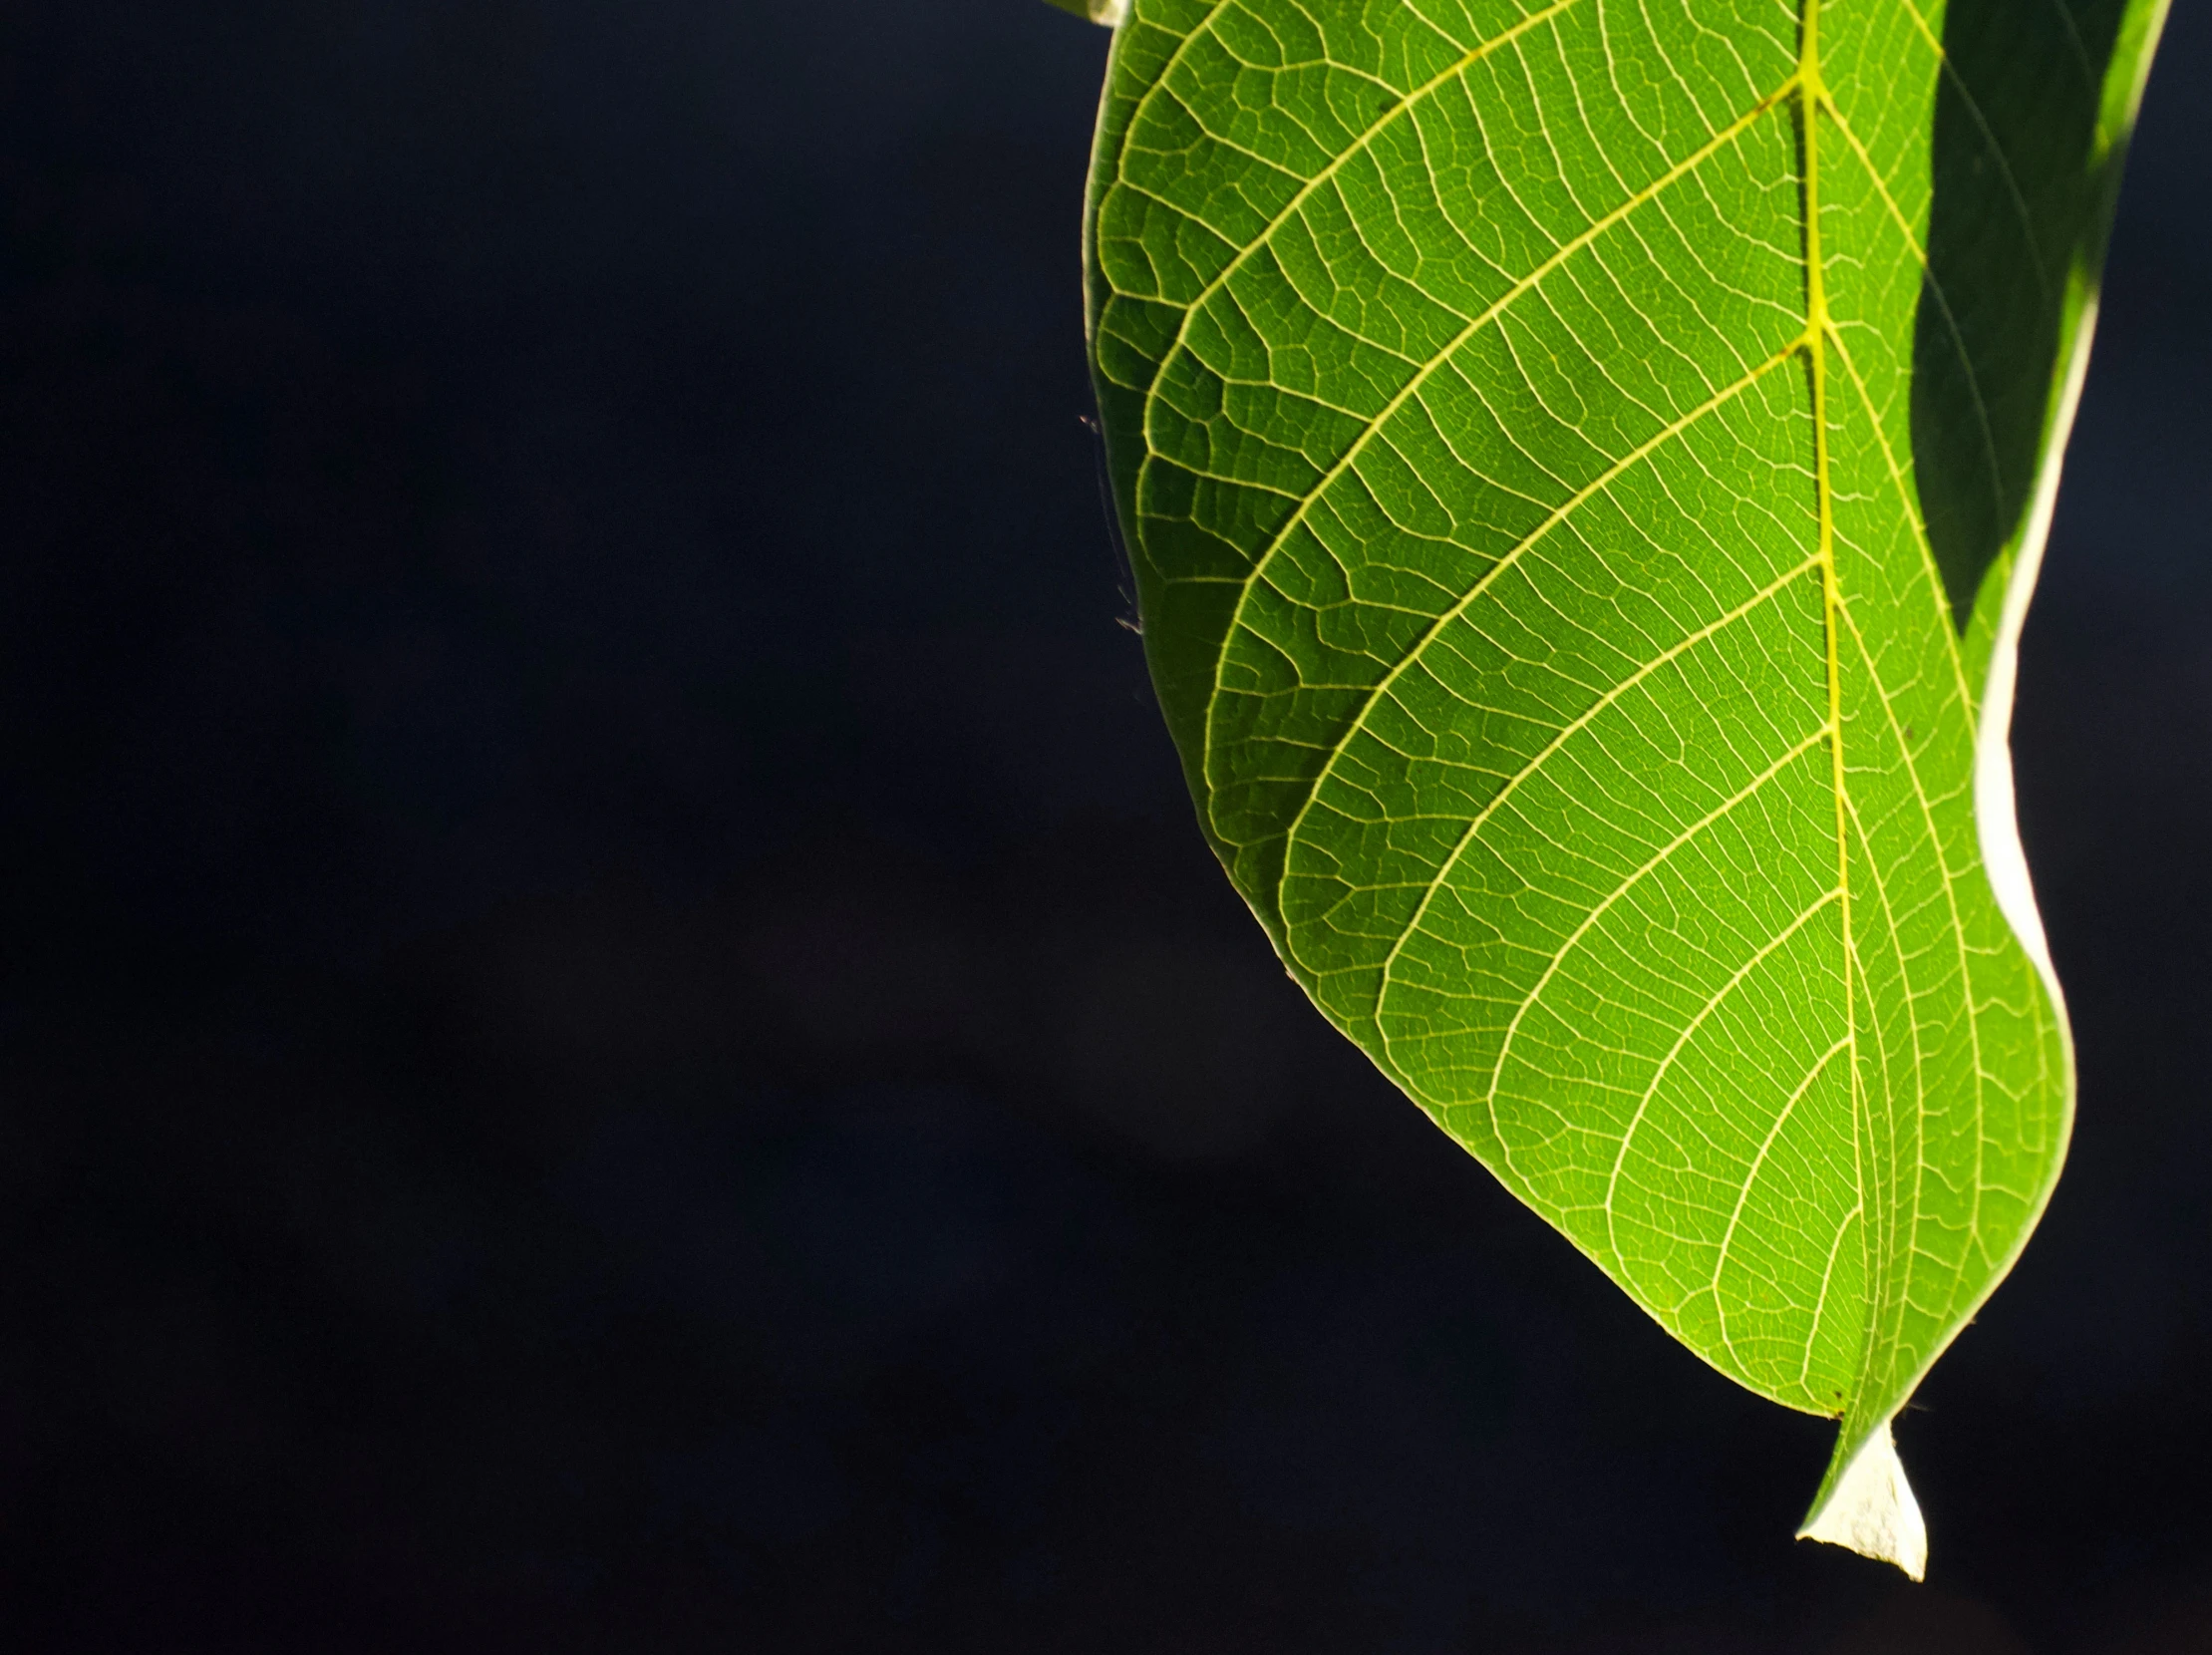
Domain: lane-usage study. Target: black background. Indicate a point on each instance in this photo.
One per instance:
(617, 1036)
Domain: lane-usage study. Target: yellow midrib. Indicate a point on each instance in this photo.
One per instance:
(1813, 93)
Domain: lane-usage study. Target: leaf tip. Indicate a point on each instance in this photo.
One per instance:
(1871, 1509)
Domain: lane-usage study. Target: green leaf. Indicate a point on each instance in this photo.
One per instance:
(1585, 464)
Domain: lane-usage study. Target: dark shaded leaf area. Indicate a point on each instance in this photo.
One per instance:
(2015, 84)
(615, 1034)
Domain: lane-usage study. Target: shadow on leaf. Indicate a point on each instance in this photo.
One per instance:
(2021, 111)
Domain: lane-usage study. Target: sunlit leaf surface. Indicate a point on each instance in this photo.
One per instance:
(1585, 463)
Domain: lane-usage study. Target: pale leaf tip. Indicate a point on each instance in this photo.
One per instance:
(1870, 1508)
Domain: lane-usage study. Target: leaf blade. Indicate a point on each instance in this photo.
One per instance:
(1582, 522)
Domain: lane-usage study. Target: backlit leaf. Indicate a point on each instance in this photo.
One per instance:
(1585, 463)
